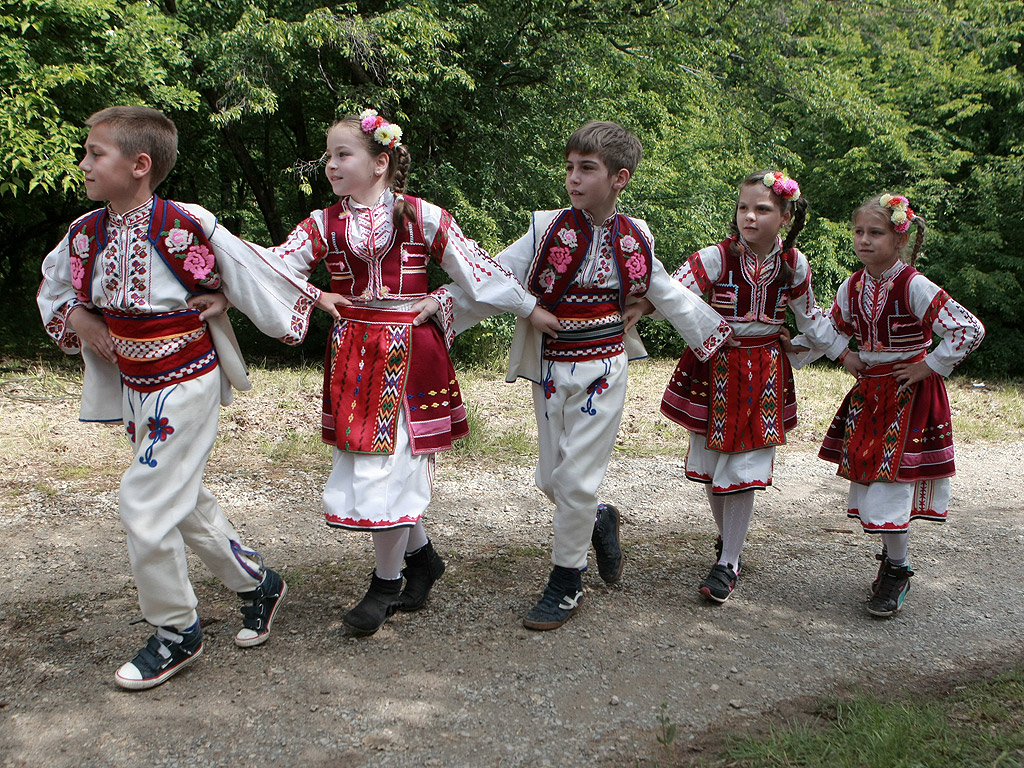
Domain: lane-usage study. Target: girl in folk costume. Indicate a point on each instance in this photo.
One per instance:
(738, 405)
(892, 437)
(391, 399)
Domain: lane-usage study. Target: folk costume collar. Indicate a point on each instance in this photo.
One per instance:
(369, 229)
(564, 247)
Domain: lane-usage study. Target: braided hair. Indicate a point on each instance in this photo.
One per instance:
(798, 218)
(399, 161)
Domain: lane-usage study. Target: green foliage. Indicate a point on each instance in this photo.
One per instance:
(851, 98)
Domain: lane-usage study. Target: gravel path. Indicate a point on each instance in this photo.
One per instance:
(461, 683)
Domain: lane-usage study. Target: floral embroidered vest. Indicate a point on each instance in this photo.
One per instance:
(173, 233)
(564, 246)
(893, 328)
(736, 298)
(396, 271)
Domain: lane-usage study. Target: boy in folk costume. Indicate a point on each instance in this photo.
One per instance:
(126, 287)
(584, 263)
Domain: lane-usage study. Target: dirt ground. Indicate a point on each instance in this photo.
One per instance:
(461, 683)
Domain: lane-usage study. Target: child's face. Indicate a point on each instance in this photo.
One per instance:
(109, 175)
(351, 169)
(591, 186)
(877, 244)
(759, 217)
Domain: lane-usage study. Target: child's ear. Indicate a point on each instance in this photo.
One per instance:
(143, 165)
(902, 238)
(620, 179)
(381, 164)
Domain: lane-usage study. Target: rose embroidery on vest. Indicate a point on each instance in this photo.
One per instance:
(177, 239)
(560, 258)
(547, 279)
(568, 237)
(81, 245)
(77, 273)
(199, 262)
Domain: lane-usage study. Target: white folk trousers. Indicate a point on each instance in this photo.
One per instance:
(164, 505)
(578, 408)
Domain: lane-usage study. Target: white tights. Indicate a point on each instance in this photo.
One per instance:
(390, 547)
(733, 514)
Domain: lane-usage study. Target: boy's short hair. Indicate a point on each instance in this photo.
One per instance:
(141, 129)
(617, 147)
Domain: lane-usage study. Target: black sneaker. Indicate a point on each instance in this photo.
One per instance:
(719, 584)
(606, 543)
(262, 605)
(380, 601)
(561, 599)
(892, 590)
(167, 653)
(718, 555)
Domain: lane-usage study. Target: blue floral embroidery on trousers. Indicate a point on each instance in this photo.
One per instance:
(597, 387)
(159, 426)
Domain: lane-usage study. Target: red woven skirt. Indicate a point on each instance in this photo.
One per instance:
(378, 363)
(742, 399)
(882, 435)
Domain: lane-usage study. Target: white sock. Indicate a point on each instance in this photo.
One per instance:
(737, 512)
(896, 547)
(717, 503)
(417, 538)
(389, 552)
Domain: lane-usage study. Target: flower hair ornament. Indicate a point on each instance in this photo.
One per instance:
(902, 213)
(383, 132)
(782, 185)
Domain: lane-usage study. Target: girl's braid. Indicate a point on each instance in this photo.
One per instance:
(404, 211)
(918, 238)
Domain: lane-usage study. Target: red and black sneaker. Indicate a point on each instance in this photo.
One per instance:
(719, 583)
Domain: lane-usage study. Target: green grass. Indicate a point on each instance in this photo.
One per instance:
(980, 723)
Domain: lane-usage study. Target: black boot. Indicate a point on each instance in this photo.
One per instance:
(422, 568)
(379, 602)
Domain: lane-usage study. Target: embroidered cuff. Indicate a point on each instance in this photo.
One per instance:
(61, 332)
(445, 315)
(713, 342)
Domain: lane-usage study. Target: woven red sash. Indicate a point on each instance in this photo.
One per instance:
(377, 363)
(154, 351)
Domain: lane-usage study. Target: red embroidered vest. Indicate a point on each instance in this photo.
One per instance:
(564, 246)
(737, 299)
(173, 233)
(894, 328)
(396, 271)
